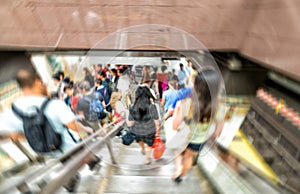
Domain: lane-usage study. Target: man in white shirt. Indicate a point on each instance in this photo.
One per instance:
(123, 86)
(57, 112)
(123, 82)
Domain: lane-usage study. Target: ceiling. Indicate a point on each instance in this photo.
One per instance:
(264, 30)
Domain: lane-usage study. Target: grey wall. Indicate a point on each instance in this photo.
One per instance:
(11, 62)
(243, 82)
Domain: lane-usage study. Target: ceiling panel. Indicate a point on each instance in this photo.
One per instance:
(227, 25)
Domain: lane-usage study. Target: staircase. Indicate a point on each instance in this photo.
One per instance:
(130, 175)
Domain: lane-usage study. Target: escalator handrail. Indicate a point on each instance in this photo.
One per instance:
(87, 146)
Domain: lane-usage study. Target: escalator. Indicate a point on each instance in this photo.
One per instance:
(130, 175)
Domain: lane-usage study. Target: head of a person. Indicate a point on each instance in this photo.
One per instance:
(173, 71)
(142, 101)
(69, 89)
(163, 68)
(205, 94)
(29, 80)
(61, 75)
(85, 87)
(102, 75)
(121, 71)
(56, 78)
(181, 66)
(113, 72)
(98, 67)
(114, 98)
(98, 82)
(189, 62)
(66, 80)
(143, 92)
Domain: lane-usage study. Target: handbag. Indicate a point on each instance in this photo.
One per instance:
(128, 138)
(176, 139)
(158, 148)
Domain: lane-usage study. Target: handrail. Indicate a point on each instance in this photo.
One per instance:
(83, 143)
(69, 167)
(72, 166)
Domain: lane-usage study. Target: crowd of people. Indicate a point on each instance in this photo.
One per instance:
(144, 96)
(183, 94)
(123, 79)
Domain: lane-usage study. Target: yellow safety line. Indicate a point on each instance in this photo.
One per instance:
(244, 150)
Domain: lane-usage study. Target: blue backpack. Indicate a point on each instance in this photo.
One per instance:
(96, 110)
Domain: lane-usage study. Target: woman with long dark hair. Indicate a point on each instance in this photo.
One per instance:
(143, 119)
(198, 111)
(88, 76)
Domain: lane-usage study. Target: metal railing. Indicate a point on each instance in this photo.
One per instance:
(55, 173)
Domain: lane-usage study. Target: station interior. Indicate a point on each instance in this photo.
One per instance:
(253, 45)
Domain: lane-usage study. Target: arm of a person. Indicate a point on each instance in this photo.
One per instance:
(157, 126)
(80, 114)
(12, 135)
(177, 116)
(129, 120)
(103, 104)
(163, 100)
(156, 85)
(77, 127)
(168, 114)
(129, 123)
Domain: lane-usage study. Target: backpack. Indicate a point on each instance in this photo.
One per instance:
(96, 110)
(38, 131)
(111, 87)
(103, 90)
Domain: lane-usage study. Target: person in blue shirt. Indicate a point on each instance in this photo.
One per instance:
(182, 75)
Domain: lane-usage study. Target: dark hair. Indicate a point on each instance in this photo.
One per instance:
(142, 103)
(163, 68)
(103, 74)
(68, 86)
(205, 95)
(66, 80)
(114, 70)
(99, 81)
(122, 70)
(61, 73)
(56, 76)
(26, 78)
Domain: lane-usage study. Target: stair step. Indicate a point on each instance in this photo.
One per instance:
(152, 184)
(130, 175)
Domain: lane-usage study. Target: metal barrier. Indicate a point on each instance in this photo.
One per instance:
(55, 173)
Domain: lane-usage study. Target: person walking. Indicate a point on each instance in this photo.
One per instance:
(143, 118)
(182, 75)
(197, 111)
(63, 121)
(85, 109)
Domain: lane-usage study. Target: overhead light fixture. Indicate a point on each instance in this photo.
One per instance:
(234, 64)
